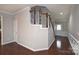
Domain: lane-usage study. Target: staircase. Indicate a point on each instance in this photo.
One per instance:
(74, 43)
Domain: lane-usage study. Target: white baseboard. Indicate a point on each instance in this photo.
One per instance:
(51, 44)
(4, 43)
(31, 48)
(25, 46)
(41, 49)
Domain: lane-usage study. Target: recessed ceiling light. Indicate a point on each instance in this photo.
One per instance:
(61, 13)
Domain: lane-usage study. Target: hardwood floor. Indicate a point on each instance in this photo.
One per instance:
(0, 38)
(61, 46)
(63, 49)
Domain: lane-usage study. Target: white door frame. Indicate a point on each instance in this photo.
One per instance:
(15, 30)
(1, 30)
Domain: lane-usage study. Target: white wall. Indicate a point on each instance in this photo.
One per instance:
(8, 32)
(74, 21)
(74, 29)
(51, 36)
(28, 35)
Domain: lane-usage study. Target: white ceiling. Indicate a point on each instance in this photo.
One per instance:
(11, 7)
(54, 8)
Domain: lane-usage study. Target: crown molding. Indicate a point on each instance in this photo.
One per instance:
(6, 12)
(21, 10)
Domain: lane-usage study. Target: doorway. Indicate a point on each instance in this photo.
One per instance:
(61, 28)
(1, 30)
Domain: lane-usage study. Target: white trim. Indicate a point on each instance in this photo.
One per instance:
(31, 48)
(1, 30)
(51, 43)
(6, 12)
(15, 30)
(21, 10)
(25, 46)
(41, 49)
(7, 42)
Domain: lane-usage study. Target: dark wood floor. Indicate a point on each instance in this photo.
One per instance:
(15, 49)
(0, 38)
(63, 49)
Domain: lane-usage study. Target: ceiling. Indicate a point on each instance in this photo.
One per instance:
(11, 7)
(56, 9)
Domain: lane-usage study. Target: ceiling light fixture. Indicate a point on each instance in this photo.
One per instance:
(61, 13)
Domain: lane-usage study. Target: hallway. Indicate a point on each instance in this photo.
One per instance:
(61, 46)
(15, 49)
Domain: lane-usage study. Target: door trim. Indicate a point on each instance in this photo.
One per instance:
(1, 30)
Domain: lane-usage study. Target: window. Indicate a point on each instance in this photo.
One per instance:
(58, 27)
